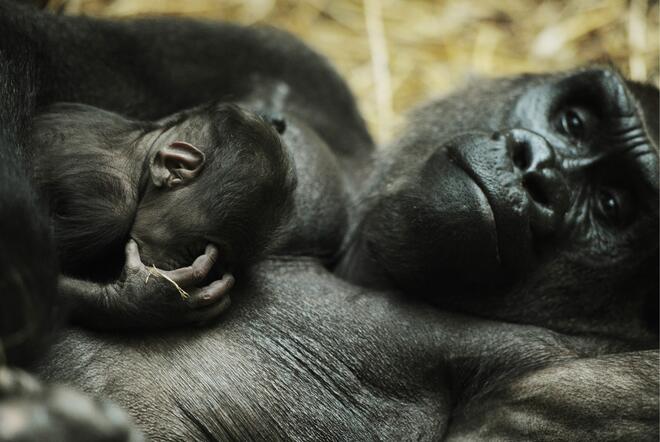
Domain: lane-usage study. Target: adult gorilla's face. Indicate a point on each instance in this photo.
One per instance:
(533, 198)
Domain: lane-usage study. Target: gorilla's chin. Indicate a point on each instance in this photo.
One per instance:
(463, 221)
(449, 236)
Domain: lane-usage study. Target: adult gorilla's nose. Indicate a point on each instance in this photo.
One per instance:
(534, 159)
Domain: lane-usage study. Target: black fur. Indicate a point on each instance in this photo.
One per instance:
(302, 354)
(448, 214)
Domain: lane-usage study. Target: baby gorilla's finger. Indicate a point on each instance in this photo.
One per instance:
(202, 316)
(212, 293)
(133, 260)
(200, 268)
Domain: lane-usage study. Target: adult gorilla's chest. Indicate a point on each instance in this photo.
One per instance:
(301, 355)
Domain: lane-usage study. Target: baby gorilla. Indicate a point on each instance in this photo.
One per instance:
(214, 180)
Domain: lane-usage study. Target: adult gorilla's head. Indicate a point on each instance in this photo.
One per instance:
(532, 199)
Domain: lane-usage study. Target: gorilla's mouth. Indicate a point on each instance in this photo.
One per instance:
(461, 164)
(486, 163)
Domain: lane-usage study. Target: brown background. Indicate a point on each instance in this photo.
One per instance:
(397, 53)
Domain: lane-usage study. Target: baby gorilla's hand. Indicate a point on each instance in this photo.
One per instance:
(32, 412)
(161, 297)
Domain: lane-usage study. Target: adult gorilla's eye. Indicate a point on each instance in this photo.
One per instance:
(572, 124)
(614, 206)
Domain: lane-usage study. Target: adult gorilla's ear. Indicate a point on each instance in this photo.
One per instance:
(176, 164)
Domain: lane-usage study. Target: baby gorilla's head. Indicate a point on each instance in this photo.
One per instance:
(214, 174)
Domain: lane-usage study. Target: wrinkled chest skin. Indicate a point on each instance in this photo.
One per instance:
(303, 355)
(290, 361)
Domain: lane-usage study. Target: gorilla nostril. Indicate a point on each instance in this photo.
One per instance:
(496, 136)
(521, 156)
(535, 188)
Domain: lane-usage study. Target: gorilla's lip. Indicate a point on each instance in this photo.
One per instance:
(484, 161)
(461, 164)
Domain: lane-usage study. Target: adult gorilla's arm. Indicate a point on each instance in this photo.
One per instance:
(27, 260)
(152, 67)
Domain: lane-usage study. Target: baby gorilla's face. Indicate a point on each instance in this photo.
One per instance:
(217, 175)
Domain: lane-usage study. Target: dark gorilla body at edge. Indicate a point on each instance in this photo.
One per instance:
(367, 357)
(39, 67)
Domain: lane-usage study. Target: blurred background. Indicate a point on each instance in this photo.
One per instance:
(398, 53)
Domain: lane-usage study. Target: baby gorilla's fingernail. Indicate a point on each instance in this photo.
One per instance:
(215, 291)
(228, 280)
(211, 249)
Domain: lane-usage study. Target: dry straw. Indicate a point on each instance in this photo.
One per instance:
(153, 270)
(396, 53)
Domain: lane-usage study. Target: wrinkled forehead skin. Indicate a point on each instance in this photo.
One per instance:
(620, 103)
(485, 105)
(527, 100)
(484, 102)
(648, 98)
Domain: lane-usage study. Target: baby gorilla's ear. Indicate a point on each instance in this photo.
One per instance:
(176, 164)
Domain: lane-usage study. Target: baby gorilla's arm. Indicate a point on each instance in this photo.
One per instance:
(149, 297)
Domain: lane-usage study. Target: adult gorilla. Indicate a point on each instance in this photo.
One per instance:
(532, 200)
(303, 354)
